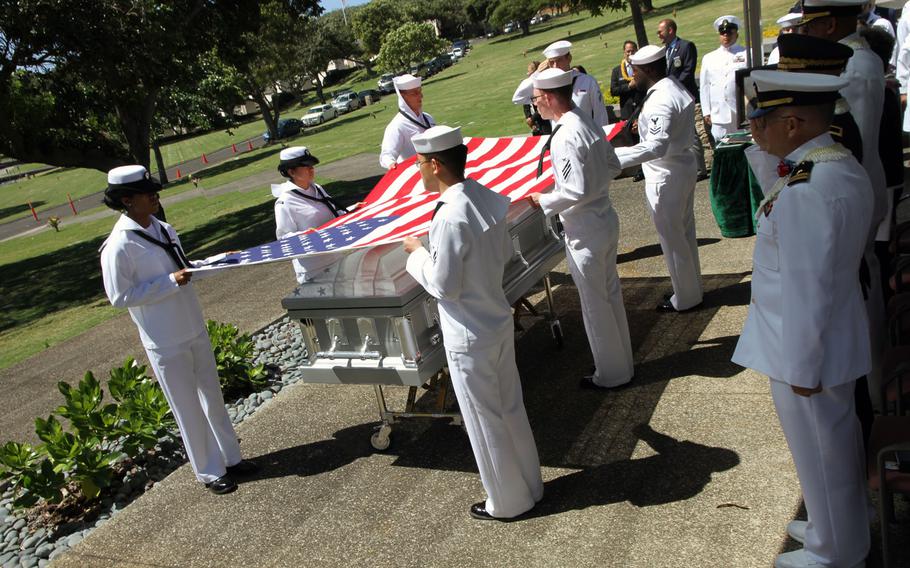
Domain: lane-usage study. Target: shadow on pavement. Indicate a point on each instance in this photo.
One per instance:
(19, 209)
(650, 251)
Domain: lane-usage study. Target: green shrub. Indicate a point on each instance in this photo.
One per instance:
(102, 436)
(234, 355)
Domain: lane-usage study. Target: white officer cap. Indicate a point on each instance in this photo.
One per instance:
(294, 152)
(127, 174)
(557, 48)
(406, 82)
(552, 78)
(775, 89)
(789, 20)
(727, 21)
(437, 139)
(648, 54)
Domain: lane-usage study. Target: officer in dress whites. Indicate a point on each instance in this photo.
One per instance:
(303, 205)
(835, 20)
(718, 78)
(585, 91)
(410, 120)
(145, 270)
(787, 24)
(469, 247)
(583, 165)
(665, 126)
(806, 327)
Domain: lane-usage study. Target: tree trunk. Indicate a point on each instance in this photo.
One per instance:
(318, 83)
(525, 26)
(159, 161)
(646, 6)
(271, 122)
(640, 34)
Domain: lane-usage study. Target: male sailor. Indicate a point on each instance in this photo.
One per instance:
(717, 83)
(664, 152)
(585, 91)
(806, 328)
(410, 120)
(463, 268)
(584, 163)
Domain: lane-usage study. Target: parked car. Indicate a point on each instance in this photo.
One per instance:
(510, 27)
(346, 102)
(319, 114)
(385, 84)
(373, 94)
(442, 62)
(464, 44)
(458, 52)
(286, 127)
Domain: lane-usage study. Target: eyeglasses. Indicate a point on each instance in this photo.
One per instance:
(422, 162)
(535, 98)
(726, 31)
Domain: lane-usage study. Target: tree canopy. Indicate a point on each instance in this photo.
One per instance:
(408, 44)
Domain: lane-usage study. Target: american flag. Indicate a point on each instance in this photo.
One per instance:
(399, 206)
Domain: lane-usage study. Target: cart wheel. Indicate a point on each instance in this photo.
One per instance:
(380, 440)
(556, 330)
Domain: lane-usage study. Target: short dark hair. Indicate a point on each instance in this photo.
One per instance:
(669, 23)
(564, 93)
(656, 69)
(880, 42)
(454, 159)
(627, 42)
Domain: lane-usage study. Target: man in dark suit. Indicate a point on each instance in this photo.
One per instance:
(682, 57)
(622, 83)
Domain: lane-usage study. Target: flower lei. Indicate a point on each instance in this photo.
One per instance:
(622, 69)
(830, 153)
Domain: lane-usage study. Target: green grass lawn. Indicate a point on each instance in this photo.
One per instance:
(51, 283)
(47, 190)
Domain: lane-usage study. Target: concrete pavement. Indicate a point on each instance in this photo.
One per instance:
(685, 468)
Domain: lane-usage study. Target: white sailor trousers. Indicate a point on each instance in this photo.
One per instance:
(825, 441)
(592, 263)
(188, 375)
(719, 130)
(488, 390)
(672, 207)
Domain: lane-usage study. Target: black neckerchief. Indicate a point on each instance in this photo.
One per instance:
(439, 204)
(325, 199)
(545, 148)
(415, 121)
(170, 247)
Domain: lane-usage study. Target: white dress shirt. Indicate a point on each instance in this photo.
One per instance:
(469, 247)
(807, 322)
(137, 275)
(717, 83)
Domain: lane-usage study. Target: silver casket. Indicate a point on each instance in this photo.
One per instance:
(365, 320)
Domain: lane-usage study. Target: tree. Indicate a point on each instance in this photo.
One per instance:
(265, 56)
(407, 44)
(93, 71)
(520, 11)
(596, 7)
(326, 38)
(372, 21)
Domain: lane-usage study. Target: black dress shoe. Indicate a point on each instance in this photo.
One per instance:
(222, 485)
(587, 382)
(242, 468)
(479, 512)
(703, 176)
(638, 176)
(667, 306)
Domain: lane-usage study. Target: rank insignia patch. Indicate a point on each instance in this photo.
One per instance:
(800, 173)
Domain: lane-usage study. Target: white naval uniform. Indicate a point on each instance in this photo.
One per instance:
(396, 141)
(584, 163)
(294, 214)
(865, 92)
(664, 152)
(585, 94)
(137, 275)
(774, 56)
(903, 30)
(469, 247)
(807, 327)
(717, 88)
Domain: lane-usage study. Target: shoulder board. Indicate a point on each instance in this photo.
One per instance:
(801, 173)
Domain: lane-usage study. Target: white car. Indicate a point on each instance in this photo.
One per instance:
(346, 103)
(385, 84)
(458, 52)
(319, 114)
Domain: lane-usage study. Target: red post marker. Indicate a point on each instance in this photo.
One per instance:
(204, 159)
(178, 173)
(34, 214)
(250, 144)
(234, 148)
(72, 205)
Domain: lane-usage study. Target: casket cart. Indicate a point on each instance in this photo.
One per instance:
(366, 321)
